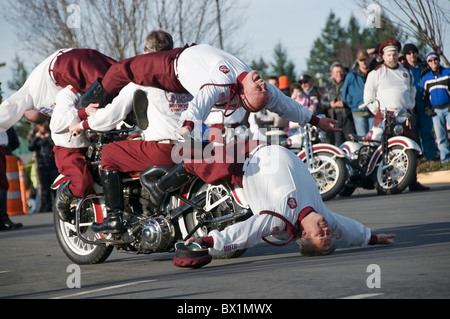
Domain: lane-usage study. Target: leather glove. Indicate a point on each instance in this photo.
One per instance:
(430, 112)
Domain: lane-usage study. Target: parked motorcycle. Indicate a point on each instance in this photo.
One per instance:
(194, 210)
(383, 159)
(325, 162)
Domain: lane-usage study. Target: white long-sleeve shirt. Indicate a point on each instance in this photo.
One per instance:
(163, 112)
(203, 71)
(38, 93)
(64, 113)
(274, 179)
(394, 88)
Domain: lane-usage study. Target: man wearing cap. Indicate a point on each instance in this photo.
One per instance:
(392, 84)
(436, 86)
(353, 92)
(286, 204)
(311, 91)
(423, 125)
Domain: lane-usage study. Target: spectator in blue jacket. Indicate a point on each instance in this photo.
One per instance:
(423, 125)
(436, 86)
(353, 91)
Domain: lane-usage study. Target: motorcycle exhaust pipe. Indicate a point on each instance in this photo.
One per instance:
(221, 219)
(231, 217)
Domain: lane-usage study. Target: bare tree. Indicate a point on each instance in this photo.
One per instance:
(424, 20)
(118, 27)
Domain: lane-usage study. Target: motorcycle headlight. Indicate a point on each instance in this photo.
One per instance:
(322, 136)
(398, 130)
(241, 132)
(401, 115)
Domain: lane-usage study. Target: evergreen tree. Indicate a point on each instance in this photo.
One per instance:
(325, 48)
(261, 66)
(337, 43)
(282, 65)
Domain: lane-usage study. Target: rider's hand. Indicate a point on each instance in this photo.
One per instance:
(326, 124)
(92, 108)
(183, 132)
(386, 238)
(75, 129)
(193, 240)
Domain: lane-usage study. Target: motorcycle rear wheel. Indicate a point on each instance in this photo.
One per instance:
(395, 178)
(330, 173)
(73, 247)
(191, 218)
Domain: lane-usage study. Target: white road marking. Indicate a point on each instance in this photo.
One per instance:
(362, 296)
(103, 289)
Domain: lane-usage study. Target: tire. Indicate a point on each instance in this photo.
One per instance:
(228, 206)
(75, 249)
(347, 191)
(397, 177)
(330, 173)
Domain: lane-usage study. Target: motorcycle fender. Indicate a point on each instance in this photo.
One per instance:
(403, 141)
(239, 196)
(349, 147)
(323, 147)
(58, 181)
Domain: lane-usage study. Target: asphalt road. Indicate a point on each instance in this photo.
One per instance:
(33, 266)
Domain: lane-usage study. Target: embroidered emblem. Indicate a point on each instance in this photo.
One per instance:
(231, 247)
(292, 202)
(224, 69)
(405, 75)
(275, 230)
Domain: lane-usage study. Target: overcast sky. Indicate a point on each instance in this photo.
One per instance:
(294, 23)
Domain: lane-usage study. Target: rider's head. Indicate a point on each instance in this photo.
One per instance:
(254, 94)
(315, 237)
(158, 40)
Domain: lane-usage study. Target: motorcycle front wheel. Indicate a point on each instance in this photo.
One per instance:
(74, 247)
(226, 207)
(398, 173)
(330, 173)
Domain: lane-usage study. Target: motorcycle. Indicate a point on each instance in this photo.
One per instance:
(384, 159)
(194, 210)
(325, 162)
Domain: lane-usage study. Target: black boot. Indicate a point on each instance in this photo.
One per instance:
(95, 94)
(63, 199)
(169, 182)
(112, 189)
(415, 186)
(5, 222)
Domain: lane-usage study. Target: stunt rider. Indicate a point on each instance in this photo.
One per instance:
(392, 84)
(163, 115)
(287, 205)
(214, 78)
(67, 69)
(79, 68)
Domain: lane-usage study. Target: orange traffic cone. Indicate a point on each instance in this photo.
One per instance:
(14, 202)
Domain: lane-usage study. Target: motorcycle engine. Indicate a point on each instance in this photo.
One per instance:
(157, 234)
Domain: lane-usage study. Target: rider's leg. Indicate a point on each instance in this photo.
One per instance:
(63, 199)
(169, 182)
(112, 189)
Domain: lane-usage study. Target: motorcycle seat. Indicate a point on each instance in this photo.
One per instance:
(153, 173)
